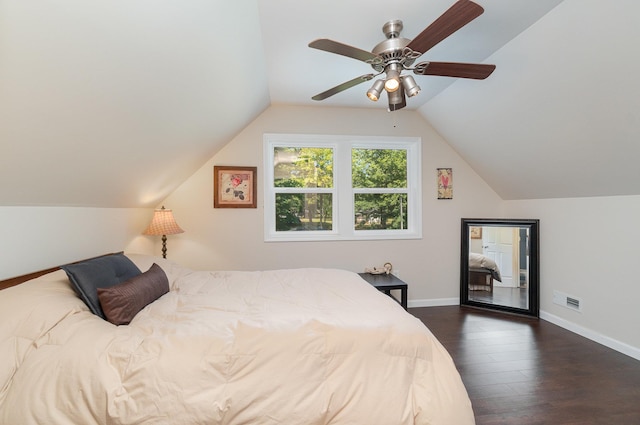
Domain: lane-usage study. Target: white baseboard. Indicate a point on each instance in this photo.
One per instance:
(592, 335)
(614, 344)
(437, 302)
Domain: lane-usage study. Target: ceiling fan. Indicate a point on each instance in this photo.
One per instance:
(397, 54)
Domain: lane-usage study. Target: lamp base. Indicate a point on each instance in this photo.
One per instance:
(164, 246)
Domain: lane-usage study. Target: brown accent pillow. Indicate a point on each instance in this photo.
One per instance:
(123, 301)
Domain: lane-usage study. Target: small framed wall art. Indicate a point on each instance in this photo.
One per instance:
(234, 187)
(475, 232)
(445, 183)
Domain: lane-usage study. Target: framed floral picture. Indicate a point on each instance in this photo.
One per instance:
(445, 183)
(234, 187)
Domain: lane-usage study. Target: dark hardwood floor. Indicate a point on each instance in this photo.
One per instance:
(522, 371)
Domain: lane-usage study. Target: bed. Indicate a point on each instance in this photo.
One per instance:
(299, 346)
(482, 272)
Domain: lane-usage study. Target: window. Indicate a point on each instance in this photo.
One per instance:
(341, 188)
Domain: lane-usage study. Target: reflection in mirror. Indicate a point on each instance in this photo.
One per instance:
(499, 265)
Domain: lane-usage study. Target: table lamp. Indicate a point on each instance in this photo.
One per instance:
(163, 224)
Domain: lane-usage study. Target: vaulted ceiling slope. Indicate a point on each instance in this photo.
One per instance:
(560, 116)
(114, 104)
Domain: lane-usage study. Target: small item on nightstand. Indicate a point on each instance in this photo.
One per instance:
(386, 269)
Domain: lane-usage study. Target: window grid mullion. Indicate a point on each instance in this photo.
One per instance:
(381, 190)
(304, 190)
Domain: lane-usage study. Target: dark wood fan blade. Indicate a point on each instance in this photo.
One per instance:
(476, 71)
(344, 50)
(343, 87)
(456, 17)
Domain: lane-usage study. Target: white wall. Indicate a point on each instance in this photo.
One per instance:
(589, 249)
(36, 238)
(589, 246)
(233, 238)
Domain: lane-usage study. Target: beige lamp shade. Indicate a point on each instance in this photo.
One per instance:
(163, 223)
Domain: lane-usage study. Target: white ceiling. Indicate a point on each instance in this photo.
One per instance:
(297, 72)
(116, 103)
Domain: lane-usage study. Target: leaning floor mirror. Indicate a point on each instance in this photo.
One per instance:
(499, 267)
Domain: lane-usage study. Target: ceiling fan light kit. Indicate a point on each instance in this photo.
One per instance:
(392, 82)
(411, 88)
(374, 92)
(397, 99)
(397, 54)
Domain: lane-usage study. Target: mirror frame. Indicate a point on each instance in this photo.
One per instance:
(534, 263)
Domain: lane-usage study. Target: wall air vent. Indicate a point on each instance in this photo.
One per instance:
(568, 301)
(573, 303)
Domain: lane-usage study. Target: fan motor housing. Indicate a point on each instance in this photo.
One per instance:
(390, 46)
(392, 49)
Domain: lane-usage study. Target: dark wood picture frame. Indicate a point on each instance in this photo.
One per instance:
(235, 187)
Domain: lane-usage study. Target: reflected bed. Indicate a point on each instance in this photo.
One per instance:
(482, 272)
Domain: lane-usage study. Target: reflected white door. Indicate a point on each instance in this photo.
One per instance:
(501, 245)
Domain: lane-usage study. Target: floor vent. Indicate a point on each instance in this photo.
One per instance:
(568, 301)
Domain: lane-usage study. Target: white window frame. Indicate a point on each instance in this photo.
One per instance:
(342, 190)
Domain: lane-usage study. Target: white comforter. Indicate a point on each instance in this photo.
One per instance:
(307, 346)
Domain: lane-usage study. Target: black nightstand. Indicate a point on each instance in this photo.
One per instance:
(386, 283)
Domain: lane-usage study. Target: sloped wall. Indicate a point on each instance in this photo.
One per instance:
(36, 238)
(226, 239)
